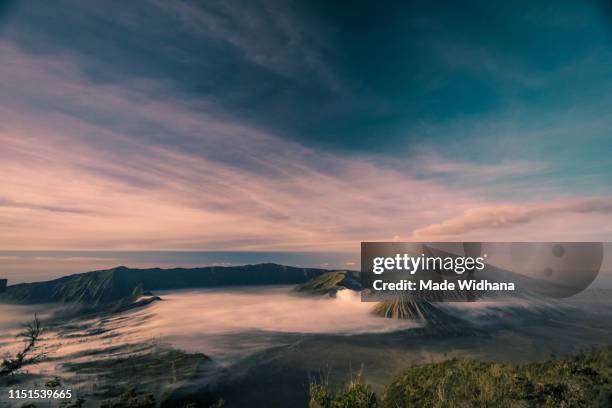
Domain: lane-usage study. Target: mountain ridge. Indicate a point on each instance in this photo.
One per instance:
(110, 285)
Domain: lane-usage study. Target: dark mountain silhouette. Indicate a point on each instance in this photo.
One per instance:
(111, 285)
(3, 285)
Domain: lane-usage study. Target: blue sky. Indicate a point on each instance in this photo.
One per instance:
(302, 126)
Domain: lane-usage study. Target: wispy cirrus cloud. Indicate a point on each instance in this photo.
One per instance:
(156, 125)
(148, 169)
(146, 172)
(271, 35)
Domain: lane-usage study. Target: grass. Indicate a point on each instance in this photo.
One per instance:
(130, 399)
(583, 380)
(355, 395)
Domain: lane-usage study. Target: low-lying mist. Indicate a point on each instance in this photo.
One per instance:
(271, 309)
(229, 323)
(225, 324)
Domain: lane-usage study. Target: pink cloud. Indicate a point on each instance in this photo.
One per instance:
(131, 167)
(484, 220)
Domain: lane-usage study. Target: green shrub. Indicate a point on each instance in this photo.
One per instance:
(130, 399)
(320, 396)
(355, 395)
(584, 380)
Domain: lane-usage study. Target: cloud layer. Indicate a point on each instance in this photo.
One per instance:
(569, 219)
(209, 127)
(126, 168)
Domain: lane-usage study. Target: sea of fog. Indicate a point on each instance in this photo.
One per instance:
(229, 324)
(239, 328)
(225, 324)
(277, 309)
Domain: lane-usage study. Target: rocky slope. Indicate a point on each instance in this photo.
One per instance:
(329, 283)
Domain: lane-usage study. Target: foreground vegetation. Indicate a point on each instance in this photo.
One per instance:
(584, 380)
(30, 353)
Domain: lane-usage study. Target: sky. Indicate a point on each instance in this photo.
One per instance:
(302, 126)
